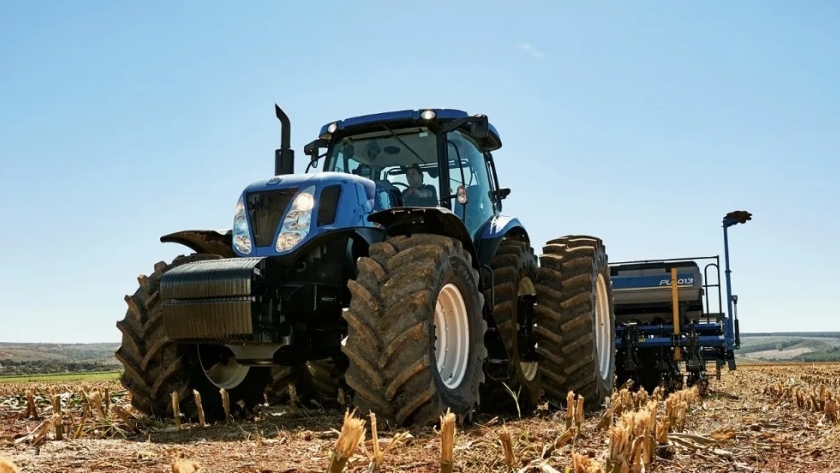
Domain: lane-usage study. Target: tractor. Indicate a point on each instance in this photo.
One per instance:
(666, 320)
(390, 276)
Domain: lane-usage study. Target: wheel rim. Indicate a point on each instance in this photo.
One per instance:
(602, 327)
(452, 336)
(224, 375)
(529, 368)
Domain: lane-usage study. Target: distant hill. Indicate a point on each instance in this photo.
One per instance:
(37, 358)
(40, 358)
(790, 346)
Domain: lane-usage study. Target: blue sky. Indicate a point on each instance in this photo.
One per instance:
(123, 121)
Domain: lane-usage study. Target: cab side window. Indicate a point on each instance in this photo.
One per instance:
(475, 179)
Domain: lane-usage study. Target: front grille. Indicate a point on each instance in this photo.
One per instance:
(266, 209)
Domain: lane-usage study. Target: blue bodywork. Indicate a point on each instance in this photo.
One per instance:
(358, 199)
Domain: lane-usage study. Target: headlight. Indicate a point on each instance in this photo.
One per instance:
(297, 222)
(241, 231)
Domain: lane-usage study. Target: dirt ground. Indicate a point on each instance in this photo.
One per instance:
(760, 418)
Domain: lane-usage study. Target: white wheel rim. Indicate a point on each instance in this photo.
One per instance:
(226, 376)
(452, 336)
(602, 327)
(529, 368)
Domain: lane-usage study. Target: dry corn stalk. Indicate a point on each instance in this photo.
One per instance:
(200, 407)
(376, 457)
(96, 400)
(447, 441)
(579, 414)
(507, 447)
(31, 409)
(56, 418)
(565, 438)
(225, 404)
(352, 432)
(128, 419)
(570, 409)
(176, 409)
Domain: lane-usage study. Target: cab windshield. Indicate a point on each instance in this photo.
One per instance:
(407, 162)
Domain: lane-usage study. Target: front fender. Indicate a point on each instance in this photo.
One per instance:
(212, 242)
(494, 231)
(436, 220)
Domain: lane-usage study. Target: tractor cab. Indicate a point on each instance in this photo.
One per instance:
(429, 158)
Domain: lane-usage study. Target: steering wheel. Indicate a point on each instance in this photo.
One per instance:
(399, 184)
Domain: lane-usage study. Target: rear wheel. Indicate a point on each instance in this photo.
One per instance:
(415, 331)
(575, 320)
(514, 275)
(155, 367)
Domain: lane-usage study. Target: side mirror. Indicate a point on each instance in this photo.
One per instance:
(503, 193)
(480, 127)
(312, 148)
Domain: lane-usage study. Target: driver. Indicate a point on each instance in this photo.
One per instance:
(416, 189)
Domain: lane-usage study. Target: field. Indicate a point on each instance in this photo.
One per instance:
(790, 346)
(767, 417)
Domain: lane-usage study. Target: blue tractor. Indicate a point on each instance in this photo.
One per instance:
(665, 319)
(391, 276)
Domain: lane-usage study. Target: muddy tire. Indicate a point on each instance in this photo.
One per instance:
(575, 320)
(316, 382)
(155, 367)
(514, 277)
(393, 319)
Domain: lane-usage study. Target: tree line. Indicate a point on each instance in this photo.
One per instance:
(9, 367)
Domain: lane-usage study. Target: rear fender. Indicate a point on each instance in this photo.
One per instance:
(435, 220)
(214, 242)
(494, 231)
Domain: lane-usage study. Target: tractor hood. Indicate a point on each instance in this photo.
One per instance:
(276, 215)
(302, 181)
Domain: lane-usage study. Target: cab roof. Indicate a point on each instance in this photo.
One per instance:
(410, 117)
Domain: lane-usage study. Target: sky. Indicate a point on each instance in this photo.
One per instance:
(642, 123)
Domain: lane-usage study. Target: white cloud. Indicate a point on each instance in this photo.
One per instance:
(530, 49)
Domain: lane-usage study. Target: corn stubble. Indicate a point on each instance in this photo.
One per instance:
(634, 427)
(811, 398)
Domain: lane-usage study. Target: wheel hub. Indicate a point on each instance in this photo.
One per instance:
(603, 347)
(526, 293)
(223, 372)
(452, 336)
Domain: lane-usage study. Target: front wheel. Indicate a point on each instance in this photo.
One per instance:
(155, 367)
(415, 331)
